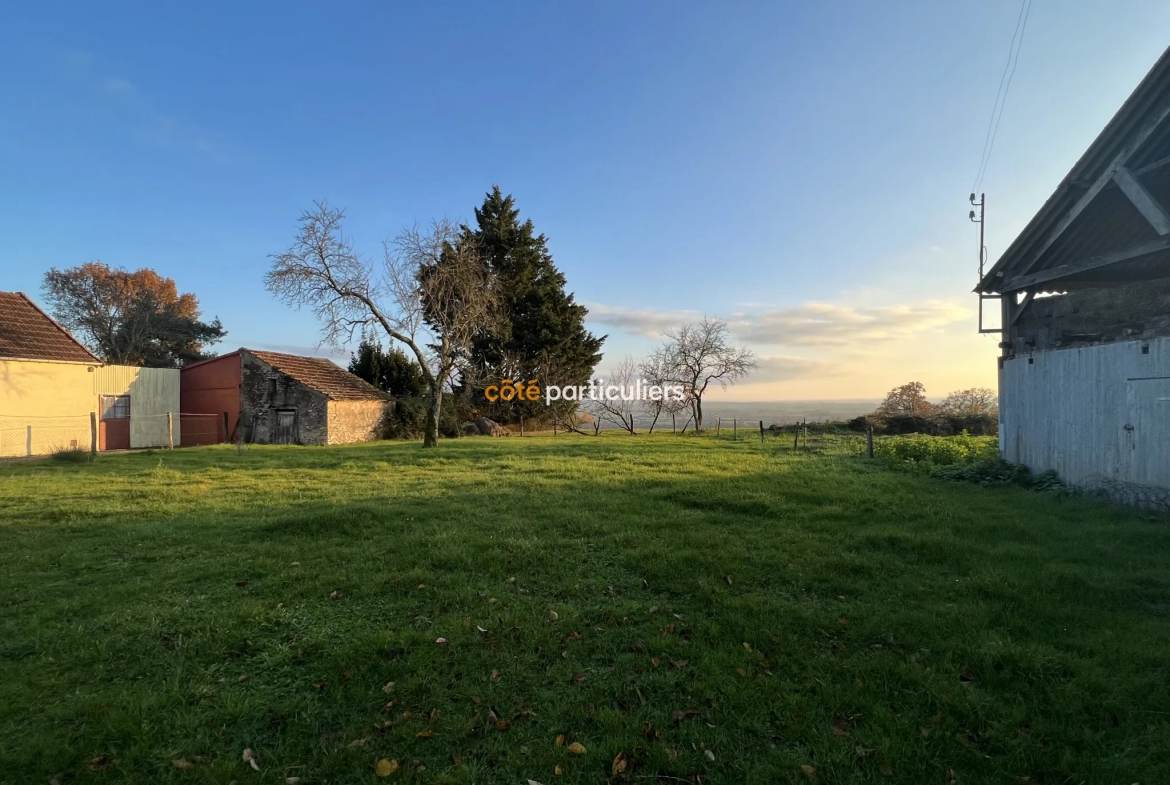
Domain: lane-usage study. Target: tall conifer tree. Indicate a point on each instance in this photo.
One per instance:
(542, 333)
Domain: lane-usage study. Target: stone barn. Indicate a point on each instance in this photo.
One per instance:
(273, 398)
(1084, 290)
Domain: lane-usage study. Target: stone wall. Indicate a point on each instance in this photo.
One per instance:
(1088, 317)
(355, 421)
(260, 399)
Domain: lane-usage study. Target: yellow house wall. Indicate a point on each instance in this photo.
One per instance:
(54, 399)
(154, 392)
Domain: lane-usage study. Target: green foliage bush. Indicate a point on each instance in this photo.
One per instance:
(927, 452)
(73, 455)
(995, 472)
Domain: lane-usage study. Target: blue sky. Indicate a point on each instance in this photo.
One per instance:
(800, 169)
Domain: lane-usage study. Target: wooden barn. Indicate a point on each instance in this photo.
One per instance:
(273, 398)
(1084, 290)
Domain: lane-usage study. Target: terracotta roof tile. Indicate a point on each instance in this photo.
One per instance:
(323, 376)
(28, 333)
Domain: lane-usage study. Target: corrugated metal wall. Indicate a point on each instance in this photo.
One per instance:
(1090, 413)
(154, 392)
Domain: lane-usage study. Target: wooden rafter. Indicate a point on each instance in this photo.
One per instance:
(1087, 265)
(1143, 200)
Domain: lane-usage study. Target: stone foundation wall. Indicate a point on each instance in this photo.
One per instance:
(355, 421)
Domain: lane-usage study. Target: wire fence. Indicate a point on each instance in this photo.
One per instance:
(29, 435)
(24, 436)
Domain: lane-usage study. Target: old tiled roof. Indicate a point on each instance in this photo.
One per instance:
(28, 333)
(322, 375)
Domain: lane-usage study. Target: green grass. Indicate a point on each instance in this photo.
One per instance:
(777, 610)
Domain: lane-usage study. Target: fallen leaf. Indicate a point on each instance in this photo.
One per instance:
(809, 770)
(294, 564)
(560, 740)
(385, 768)
(728, 580)
(924, 731)
(422, 585)
(358, 742)
(839, 726)
(476, 700)
(963, 739)
(441, 641)
(99, 763)
(619, 764)
(578, 677)
(495, 676)
(503, 725)
(679, 716)
(425, 734)
(388, 687)
(481, 629)
(679, 663)
(747, 645)
(886, 770)
(334, 595)
(558, 770)
(710, 755)
(183, 764)
(565, 654)
(654, 661)
(250, 758)
(533, 782)
(292, 780)
(455, 756)
(843, 621)
(553, 615)
(577, 748)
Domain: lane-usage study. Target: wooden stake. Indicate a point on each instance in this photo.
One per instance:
(761, 431)
(170, 430)
(93, 433)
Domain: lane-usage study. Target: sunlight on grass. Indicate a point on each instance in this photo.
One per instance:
(723, 609)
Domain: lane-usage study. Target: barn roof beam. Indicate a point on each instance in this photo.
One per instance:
(1091, 264)
(1104, 179)
(1146, 204)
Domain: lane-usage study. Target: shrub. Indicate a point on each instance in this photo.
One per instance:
(996, 472)
(930, 451)
(73, 455)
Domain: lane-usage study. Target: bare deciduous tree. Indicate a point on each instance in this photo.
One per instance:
(618, 410)
(432, 293)
(698, 355)
(975, 402)
(657, 373)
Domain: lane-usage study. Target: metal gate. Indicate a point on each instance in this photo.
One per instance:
(285, 427)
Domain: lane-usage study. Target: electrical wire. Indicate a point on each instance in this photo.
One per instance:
(1005, 84)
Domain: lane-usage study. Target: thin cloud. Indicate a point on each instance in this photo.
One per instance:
(780, 368)
(811, 324)
(826, 324)
(639, 321)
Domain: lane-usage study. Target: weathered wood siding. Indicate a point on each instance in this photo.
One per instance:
(1091, 413)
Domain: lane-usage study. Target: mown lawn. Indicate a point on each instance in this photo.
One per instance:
(710, 611)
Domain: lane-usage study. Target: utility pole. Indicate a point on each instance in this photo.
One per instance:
(982, 206)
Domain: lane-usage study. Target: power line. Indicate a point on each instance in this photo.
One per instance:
(1005, 84)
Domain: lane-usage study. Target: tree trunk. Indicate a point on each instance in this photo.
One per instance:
(655, 422)
(698, 415)
(431, 430)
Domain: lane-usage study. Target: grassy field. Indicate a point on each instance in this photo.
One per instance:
(683, 609)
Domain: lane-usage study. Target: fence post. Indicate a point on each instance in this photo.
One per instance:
(735, 429)
(522, 425)
(868, 439)
(170, 431)
(554, 427)
(761, 431)
(226, 435)
(93, 434)
(718, 425)
(796, 436)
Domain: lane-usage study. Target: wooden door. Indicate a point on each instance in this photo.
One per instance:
(286, 427)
